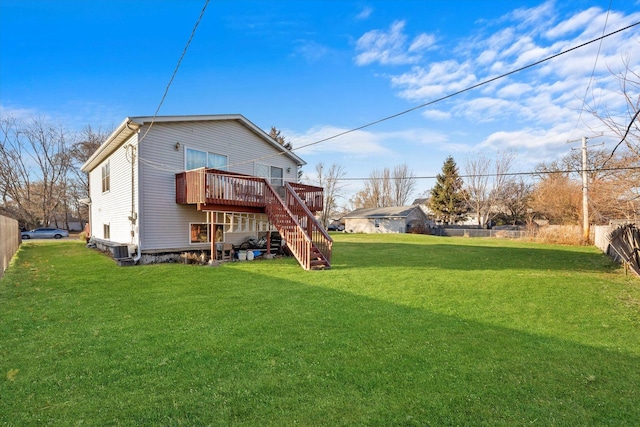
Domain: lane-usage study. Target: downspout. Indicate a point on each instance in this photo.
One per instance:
(134, 216)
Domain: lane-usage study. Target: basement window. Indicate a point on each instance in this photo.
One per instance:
(199, 233)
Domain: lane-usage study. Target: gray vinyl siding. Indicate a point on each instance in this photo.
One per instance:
(113, 207)
(165, 224)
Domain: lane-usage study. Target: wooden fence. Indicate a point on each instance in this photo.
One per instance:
(9, 241)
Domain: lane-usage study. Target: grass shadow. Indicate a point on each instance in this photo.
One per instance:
(249, 345)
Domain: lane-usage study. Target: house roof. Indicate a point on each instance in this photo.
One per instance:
(388, 212)
(131, 125)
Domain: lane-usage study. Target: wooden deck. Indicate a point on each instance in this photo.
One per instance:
(213, 189)
(290, 208)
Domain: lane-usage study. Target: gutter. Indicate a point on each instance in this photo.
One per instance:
(123, 132)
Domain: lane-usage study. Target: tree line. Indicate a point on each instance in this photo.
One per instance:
(40, 178)
(493, 195)
(489, 192)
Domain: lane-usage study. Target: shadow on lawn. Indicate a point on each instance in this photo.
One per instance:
(389, 363)
(258, 350)
(467, 257)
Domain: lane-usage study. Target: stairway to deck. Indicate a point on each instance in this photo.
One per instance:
(307, 240)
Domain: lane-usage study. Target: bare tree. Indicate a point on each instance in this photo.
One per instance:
(404, 182)
(556, 196)
(485, 184)
(34, 166)
(614, 189)
(624, 124)
(376, 191)
(385, 188)
(330, 180)
(88, 141)
(515, 200)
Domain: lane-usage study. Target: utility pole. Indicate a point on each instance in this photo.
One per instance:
(585, 193)
(585, 190)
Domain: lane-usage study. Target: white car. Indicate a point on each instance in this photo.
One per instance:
(45, 233)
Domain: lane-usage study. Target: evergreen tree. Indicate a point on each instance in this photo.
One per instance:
(275, 134)
(447, 196)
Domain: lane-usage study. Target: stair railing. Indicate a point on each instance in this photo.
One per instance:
(319, 236)
(298, 242)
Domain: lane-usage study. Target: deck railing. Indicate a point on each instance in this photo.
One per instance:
(312, 196)
(290, 212)
(319, 236)
(218, 187)
(298, 242)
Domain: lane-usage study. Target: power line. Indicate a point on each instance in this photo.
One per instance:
(417, 107)
(175, 71)
(490, 175)
(593, 71)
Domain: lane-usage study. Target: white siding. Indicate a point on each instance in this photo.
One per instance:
(114, 206)
(165, 224)
(367, 225)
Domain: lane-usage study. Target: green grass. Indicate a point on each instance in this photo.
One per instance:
(404, 330)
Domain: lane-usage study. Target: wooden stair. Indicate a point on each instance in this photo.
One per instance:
(318, 260)
(306, 239)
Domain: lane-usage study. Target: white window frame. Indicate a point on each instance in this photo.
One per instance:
(276, 181)
(105, 170)
(210, 163)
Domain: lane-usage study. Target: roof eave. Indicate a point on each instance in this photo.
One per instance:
(239, 117)
(123, 132)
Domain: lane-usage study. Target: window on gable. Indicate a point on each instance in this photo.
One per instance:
(202, 159)
(106, 177)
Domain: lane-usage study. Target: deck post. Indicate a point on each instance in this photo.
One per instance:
(269, 242)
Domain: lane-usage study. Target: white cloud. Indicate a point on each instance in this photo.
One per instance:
(540, 16)
(436, 114)
(17, 113)
(310, 50)
(441, 77)
(364, 13)
(390, 47)
(422, 42)
(358, 143)
(514, 90)
(575, 23)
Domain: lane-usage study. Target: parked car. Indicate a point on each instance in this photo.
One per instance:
(335, 227)
(45, 233)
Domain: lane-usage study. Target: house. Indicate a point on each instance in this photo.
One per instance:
(398, 219)
(166, 185)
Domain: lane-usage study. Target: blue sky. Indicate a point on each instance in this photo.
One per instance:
(317, 68)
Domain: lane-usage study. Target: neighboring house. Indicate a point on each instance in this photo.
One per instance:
(399, 219)
(165, 185)
(424, 205)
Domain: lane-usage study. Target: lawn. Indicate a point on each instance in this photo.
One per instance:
(404, 330)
